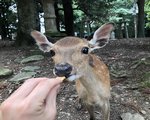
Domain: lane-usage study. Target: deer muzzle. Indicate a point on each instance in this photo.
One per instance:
(63, 69)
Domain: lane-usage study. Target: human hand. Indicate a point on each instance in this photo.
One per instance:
(34, 100)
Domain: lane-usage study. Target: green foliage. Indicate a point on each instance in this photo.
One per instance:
(147, 11)
(120, 10)
(94, 9)
(98, 12)
(89, 14)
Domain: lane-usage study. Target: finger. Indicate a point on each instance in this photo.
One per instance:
(51, 98)
(27, 88)
(41, 91)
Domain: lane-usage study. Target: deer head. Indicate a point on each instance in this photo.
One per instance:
(71, 55)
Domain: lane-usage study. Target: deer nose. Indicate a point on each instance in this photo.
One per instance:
(63, 69)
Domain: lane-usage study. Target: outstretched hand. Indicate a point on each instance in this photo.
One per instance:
(34, 100)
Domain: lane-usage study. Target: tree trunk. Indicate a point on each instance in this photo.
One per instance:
(49, 17)
(68, 16)
(141, 21)
(3, 19)
(27, 17)
(57, 16)
(120, 34)
(126, 30)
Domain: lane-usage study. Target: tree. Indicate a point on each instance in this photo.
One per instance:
(27, 21)
(68, 16)
(49, 17)
(57, 15)
(120, 14)
(141, 18)
(94, 9)
(147, 11)
(8, 19)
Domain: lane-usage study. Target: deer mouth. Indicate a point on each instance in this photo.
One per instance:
(69, 77)
(73, 77)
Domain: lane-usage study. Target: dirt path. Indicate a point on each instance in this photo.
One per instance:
(128, 61)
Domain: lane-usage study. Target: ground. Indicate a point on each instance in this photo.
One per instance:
(129, 64)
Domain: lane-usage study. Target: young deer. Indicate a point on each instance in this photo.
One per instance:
(73, 59)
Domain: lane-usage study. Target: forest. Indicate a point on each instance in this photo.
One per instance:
(18, 18)
(122, 67)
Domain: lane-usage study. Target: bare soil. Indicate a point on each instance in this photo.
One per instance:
(128, 61)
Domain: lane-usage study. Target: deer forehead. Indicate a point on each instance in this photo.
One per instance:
(69, 48)
(70, 43)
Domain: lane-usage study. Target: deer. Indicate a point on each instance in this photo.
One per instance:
(74, 59)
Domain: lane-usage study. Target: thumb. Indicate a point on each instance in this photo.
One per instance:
(51, 98)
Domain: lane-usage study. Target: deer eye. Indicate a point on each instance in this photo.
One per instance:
(85, 50)
(52, 53)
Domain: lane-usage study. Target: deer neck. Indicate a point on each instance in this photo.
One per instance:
(93, 83)
(90, 80)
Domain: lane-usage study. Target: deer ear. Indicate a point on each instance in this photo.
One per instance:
(102, 35)
(41, 41)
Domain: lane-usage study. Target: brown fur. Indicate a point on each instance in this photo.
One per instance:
(68, 42)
